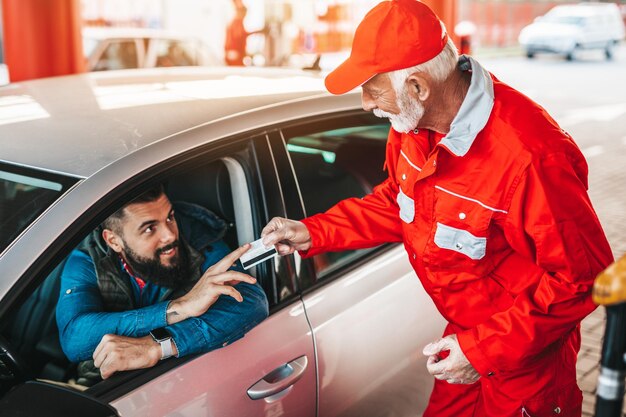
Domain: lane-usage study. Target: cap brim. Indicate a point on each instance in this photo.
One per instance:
(346, 77)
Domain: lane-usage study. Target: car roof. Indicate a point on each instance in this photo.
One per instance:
(102, 33)
(582, 9)
(78, 124)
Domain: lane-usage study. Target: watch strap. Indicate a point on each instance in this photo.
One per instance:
(166, 348)
(164, 339)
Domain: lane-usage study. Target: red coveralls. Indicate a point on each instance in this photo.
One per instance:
(498, 226)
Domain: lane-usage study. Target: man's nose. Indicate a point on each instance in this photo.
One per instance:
(367, 102)
(168, 233)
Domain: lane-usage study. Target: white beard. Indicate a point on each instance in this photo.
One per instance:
(411, 111)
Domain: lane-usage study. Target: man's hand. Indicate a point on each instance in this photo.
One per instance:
(455, 369)
(286, 235)
(216, 281)
(120, 353)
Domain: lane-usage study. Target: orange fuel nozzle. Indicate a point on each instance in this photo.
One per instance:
(609, 287)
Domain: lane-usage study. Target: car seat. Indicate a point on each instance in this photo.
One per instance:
(208, 186)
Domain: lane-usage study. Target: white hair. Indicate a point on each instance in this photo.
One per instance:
(439, 68)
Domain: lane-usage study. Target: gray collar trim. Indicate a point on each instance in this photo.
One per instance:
(475, 109)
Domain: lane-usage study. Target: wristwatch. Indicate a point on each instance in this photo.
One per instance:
(164, 338)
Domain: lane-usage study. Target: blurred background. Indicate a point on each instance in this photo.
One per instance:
(54, 37)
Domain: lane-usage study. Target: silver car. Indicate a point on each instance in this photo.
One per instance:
(345, 331)
(570, 28)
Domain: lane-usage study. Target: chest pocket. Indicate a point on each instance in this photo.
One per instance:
(407, 207)
(459, 240)
(460, 236)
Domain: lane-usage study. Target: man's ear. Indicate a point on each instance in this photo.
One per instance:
(419, 86)
(113, 240)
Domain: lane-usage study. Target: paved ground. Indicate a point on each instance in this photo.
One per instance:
(588, 98)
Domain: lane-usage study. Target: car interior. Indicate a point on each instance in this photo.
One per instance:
(343, 164)
(335, 165)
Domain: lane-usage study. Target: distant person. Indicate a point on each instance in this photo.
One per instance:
(236, 38)
(152, 284)
(489, 196)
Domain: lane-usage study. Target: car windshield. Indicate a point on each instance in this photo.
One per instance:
(564, 19)
(24, 195)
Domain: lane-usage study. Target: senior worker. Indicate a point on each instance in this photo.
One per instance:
(489, 196)
(153, 284)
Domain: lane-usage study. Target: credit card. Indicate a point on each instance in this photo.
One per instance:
(257, 254)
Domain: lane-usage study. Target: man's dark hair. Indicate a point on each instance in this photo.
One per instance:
(114, 221)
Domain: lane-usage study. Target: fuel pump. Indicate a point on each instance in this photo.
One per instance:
(609, 290)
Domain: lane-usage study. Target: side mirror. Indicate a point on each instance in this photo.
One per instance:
(47, 400)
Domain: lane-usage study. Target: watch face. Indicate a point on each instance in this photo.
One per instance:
(160, 334)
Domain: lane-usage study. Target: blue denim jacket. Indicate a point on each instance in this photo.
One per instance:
(83, 322)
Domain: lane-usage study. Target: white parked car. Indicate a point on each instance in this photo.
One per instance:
(567, 29)
(128, 48)
(346, 330)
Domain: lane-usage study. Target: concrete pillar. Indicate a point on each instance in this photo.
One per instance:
(42, 38)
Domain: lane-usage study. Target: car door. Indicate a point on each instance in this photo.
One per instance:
(369, 313)
(271, 371)
(268, 372)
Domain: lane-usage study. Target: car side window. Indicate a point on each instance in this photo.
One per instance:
(24, 195)
(30, 328)
(118, 55)
(173, 53)
(333, 165)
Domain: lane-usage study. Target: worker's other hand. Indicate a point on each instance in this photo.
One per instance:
(117, 353)
(286, 235)
(455, 368)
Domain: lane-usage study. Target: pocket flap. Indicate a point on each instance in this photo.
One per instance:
(407, 207)
(462, 241)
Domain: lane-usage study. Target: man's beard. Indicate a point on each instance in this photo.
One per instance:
(411, 111)
(152, 270)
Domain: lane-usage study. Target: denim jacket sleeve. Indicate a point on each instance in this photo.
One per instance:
(226, 320)
(80, 317)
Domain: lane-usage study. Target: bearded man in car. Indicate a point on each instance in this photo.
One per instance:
(154, 281)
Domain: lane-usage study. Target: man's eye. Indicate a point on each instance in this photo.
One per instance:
(148, 229)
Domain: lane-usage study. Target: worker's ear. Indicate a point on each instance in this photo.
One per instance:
(419, 85)
(113, 240)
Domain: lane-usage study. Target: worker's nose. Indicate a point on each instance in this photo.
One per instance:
(367, 102)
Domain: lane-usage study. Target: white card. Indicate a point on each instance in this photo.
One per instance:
(257, 254)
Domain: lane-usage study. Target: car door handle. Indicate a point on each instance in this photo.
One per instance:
(279, 379)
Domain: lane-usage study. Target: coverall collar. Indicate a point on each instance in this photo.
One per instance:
(475, 109)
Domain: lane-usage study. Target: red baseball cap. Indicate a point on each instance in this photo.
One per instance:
(394, 35)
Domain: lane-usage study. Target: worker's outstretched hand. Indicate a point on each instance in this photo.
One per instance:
(286, 235)
(455, 368)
